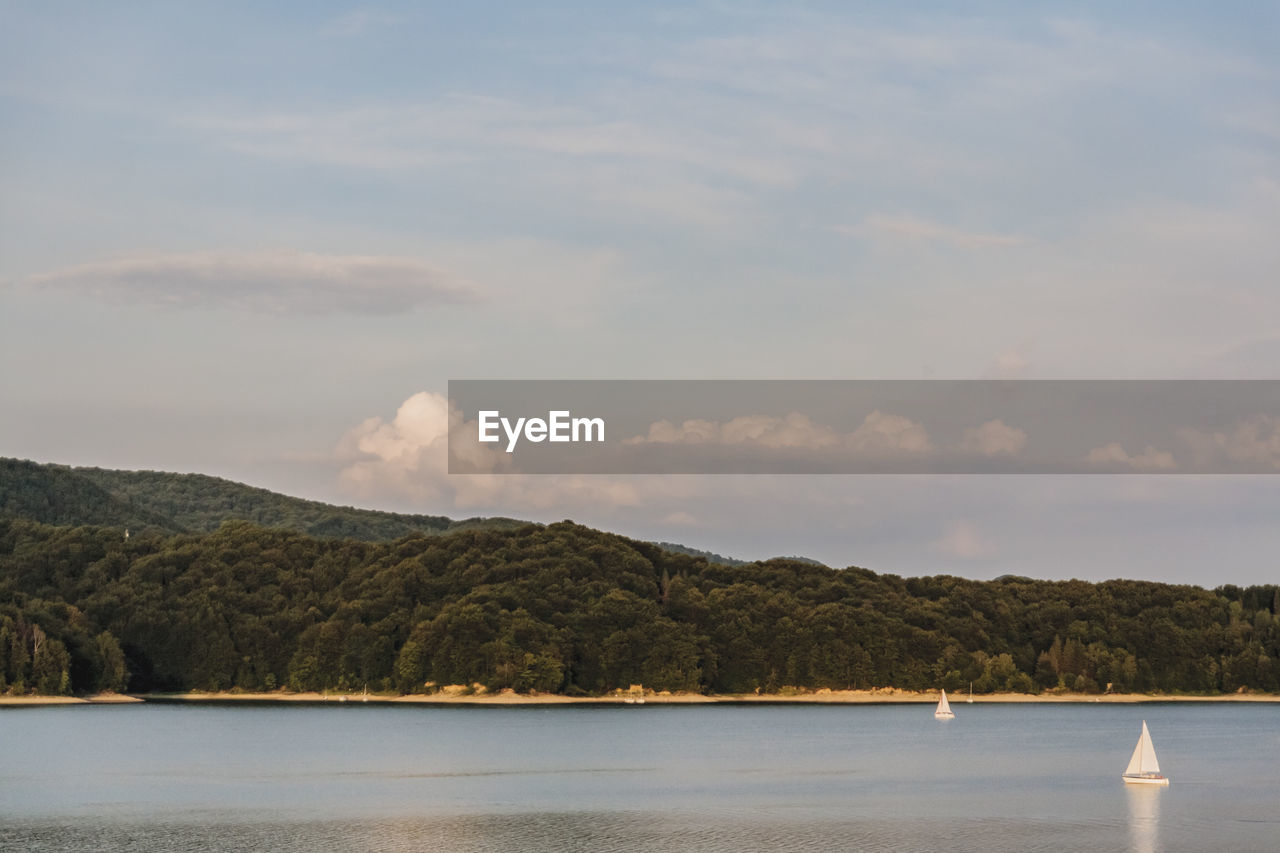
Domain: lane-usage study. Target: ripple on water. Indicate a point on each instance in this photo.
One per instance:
(567, 832)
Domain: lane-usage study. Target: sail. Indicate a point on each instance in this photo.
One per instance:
(944, 707)
(1144, 756)
(1149, 763)
(1135, 763)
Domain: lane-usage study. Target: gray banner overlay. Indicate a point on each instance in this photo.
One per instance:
(864, 427)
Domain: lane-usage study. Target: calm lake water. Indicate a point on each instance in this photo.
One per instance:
(359, 777)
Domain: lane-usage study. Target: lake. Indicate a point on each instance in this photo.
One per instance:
(371, 777)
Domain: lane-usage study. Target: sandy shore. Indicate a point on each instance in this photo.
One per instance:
(887, 696)
(98, 699)
(845, 697)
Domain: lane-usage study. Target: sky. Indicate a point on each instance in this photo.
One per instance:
(257, 240)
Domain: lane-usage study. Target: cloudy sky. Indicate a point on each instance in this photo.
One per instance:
(257, 243)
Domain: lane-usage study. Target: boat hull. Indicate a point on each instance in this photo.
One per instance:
(944, 715)
(1145, 780)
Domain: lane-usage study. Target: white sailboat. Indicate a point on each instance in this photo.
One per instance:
(944, 711)
(970, 699)
(1143, 767)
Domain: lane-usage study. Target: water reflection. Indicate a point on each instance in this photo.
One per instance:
(1144, 817)
(556, 832)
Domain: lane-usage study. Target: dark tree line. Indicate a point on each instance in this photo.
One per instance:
(568, 609)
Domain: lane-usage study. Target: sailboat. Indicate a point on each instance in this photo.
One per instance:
(1143, 767)
(970, 699)
(944, 711)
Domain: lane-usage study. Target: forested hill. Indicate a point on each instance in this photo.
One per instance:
(564, 608)
(55, 494)
(194, 503)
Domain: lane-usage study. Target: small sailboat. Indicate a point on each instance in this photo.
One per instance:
(970, 699)
(944, 711)
(1143, 767)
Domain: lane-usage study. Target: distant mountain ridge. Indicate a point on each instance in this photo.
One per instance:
(709, 556)
(713, 557)
(196, 503)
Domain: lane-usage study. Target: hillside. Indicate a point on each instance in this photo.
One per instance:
(194, 503)
(56, 494)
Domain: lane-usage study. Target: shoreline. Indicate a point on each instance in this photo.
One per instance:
(95, 699)
(887, 696)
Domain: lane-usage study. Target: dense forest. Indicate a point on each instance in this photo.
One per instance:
(564, 608)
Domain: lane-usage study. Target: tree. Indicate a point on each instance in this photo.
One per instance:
(113, 675)
(411, 667)
(50, 668)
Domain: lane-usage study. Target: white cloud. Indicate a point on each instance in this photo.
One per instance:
(358, 22)
(879, 434)
(1010, 364)
(794, 431)
(270, 282)
(962, 540)
(407, 458)
(468, 128)
(916, 229)
(681, 518)
(1254, 442)
(561, 284)
(636, 166)
(886, 433)
(994, 438)
(1114, 455)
